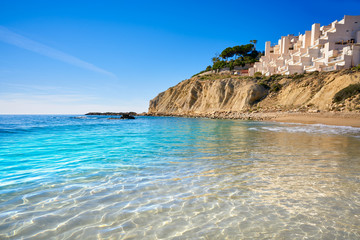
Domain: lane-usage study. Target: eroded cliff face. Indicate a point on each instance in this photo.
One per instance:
(209, 94)
(195, 96)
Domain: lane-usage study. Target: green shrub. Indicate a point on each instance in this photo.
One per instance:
(276, 76)
(219, 64)
(231, 66)
(198, 73)
(264, 85)
(314, 73)
(347, 92)
(297, 76)
(258, 74)
(357, 68)
(275, 87)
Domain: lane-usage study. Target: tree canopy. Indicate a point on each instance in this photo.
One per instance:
(239, 56)
(235, 56)
(239, 51)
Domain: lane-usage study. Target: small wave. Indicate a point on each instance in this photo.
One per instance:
(84, 117)
(313, 128)
(14, 130)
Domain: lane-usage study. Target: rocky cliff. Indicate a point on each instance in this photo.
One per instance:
(212, 95)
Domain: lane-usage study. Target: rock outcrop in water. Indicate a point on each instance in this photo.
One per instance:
(227, 95)
(111, 113)
(124, 115)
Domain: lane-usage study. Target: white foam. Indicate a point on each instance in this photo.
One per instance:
(311, 128)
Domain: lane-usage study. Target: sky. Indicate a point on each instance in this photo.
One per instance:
(74, 57)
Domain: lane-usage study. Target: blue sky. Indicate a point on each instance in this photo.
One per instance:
(79, 56)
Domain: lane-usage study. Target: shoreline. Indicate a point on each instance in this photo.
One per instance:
(326, 118)
(335, 119)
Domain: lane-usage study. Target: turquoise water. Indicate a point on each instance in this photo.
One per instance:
(69, 177)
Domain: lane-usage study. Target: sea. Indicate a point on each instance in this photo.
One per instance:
(89, 177)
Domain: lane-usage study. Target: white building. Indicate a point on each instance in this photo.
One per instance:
(332, 47)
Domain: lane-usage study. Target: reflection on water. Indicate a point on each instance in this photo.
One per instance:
(183, 179)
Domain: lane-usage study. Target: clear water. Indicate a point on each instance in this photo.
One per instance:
(63, 177)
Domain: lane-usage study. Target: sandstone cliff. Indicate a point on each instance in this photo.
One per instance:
(214, 94)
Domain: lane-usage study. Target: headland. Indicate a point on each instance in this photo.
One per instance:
(319, 97)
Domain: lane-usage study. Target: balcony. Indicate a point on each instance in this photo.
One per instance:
(332, 29)
(307, 68)
(283, 68)
(319, 42)
(337, 59)
(329, 68)
(296, 53)
(324, 37)
(320, 58)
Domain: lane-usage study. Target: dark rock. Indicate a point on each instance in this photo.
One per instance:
(124, 116)
(112, 113)
(127, 116)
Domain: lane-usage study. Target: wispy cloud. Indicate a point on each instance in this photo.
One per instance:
(50, 98)
(20, 103)
(12, 38)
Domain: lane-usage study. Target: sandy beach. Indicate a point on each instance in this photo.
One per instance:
(337, 119)
(328, 118)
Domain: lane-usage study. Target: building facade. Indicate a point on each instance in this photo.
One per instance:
(324, 48)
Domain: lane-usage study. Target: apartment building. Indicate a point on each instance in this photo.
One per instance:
(324, 48)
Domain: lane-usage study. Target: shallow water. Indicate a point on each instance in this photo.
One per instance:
(177, 178)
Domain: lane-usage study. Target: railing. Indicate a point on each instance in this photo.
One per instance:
(312, 65)
(342, 42)
(324, 37)
(329, 68)
(331, 29)
(297, 52)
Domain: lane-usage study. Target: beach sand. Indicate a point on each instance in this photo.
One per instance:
(337, 119)
(329, 118)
